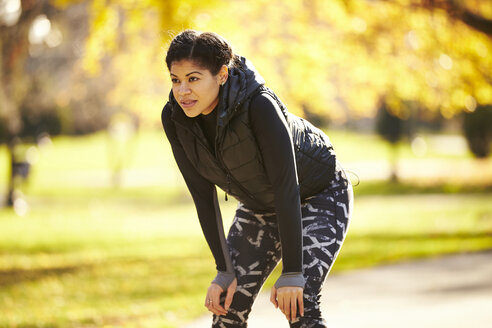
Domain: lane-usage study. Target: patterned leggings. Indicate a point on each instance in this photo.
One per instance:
(255, 249)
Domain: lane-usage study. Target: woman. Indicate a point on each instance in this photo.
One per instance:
(227, 129)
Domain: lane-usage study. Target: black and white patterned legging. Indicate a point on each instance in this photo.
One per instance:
(255, 249)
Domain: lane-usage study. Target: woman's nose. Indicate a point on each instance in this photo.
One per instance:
(184, 89)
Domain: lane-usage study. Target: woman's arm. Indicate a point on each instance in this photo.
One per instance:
(204, 196)
(275, 143)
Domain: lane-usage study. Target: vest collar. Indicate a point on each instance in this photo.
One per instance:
(242, 82)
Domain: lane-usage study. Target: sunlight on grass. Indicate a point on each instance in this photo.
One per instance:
(145, 264)
(69, 264)
(90, 255)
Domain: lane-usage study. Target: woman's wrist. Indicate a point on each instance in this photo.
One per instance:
(293, 279)
(224, 279)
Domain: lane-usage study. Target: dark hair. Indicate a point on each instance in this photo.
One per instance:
(208, 50)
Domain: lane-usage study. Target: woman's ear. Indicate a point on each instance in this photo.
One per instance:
(223, 74)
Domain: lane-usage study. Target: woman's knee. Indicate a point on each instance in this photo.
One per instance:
(233, 319)
(312, 317)
(308, 322)
(312, 310)
(241, 305)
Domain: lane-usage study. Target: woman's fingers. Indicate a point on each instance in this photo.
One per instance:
(212, 300)
(300, 299)
(288, 298)
(273, 297)
(219, 310)
(293, 307)
(280, 300)
(230, 293)
(287, 307)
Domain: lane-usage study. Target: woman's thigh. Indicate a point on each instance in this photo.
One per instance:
(325, 219)
(255, 251)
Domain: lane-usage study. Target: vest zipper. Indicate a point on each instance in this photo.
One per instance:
(222, 164)
(228, 185)
(196, 135)
(229, 176)
(224, 167)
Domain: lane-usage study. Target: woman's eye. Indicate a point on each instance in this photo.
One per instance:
(193, 78)
(174, 80)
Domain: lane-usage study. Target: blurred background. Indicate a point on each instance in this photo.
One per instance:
(96, 225)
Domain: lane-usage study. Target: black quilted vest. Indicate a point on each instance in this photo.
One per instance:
(237, 166)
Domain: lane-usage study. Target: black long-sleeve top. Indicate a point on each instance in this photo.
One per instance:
(275, 144)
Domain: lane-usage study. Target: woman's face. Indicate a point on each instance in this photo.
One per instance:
(195, 88)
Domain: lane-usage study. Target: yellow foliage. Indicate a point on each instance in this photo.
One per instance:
(336, 58)
(103, 35)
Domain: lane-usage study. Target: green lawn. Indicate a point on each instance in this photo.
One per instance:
(88, 255)
(132, 260)
(84, 161)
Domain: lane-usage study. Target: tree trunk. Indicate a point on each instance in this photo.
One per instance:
(11, 187)
(394, 162)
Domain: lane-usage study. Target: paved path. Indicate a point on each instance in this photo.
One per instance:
(450, 291)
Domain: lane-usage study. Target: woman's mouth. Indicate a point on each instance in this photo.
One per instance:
(188, 103)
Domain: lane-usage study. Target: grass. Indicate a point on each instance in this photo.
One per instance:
(101, 260)
(420, 187)
(84, 161)
(98, 260)
(89, 255)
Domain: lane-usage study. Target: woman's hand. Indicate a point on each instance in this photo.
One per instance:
(212, 300)
(287, 298)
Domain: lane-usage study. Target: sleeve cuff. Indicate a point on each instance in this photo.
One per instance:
(294, 279)
(224, 279)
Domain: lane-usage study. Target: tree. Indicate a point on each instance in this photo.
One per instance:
(391, 127)
(106, 61)
(340, 57)
(14, 83)
(477, 128)
(38, 73)
(467, 12)
(333, 58)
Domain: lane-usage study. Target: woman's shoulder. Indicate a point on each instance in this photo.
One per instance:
(166, 113)
(261, 102)
(167, 122)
